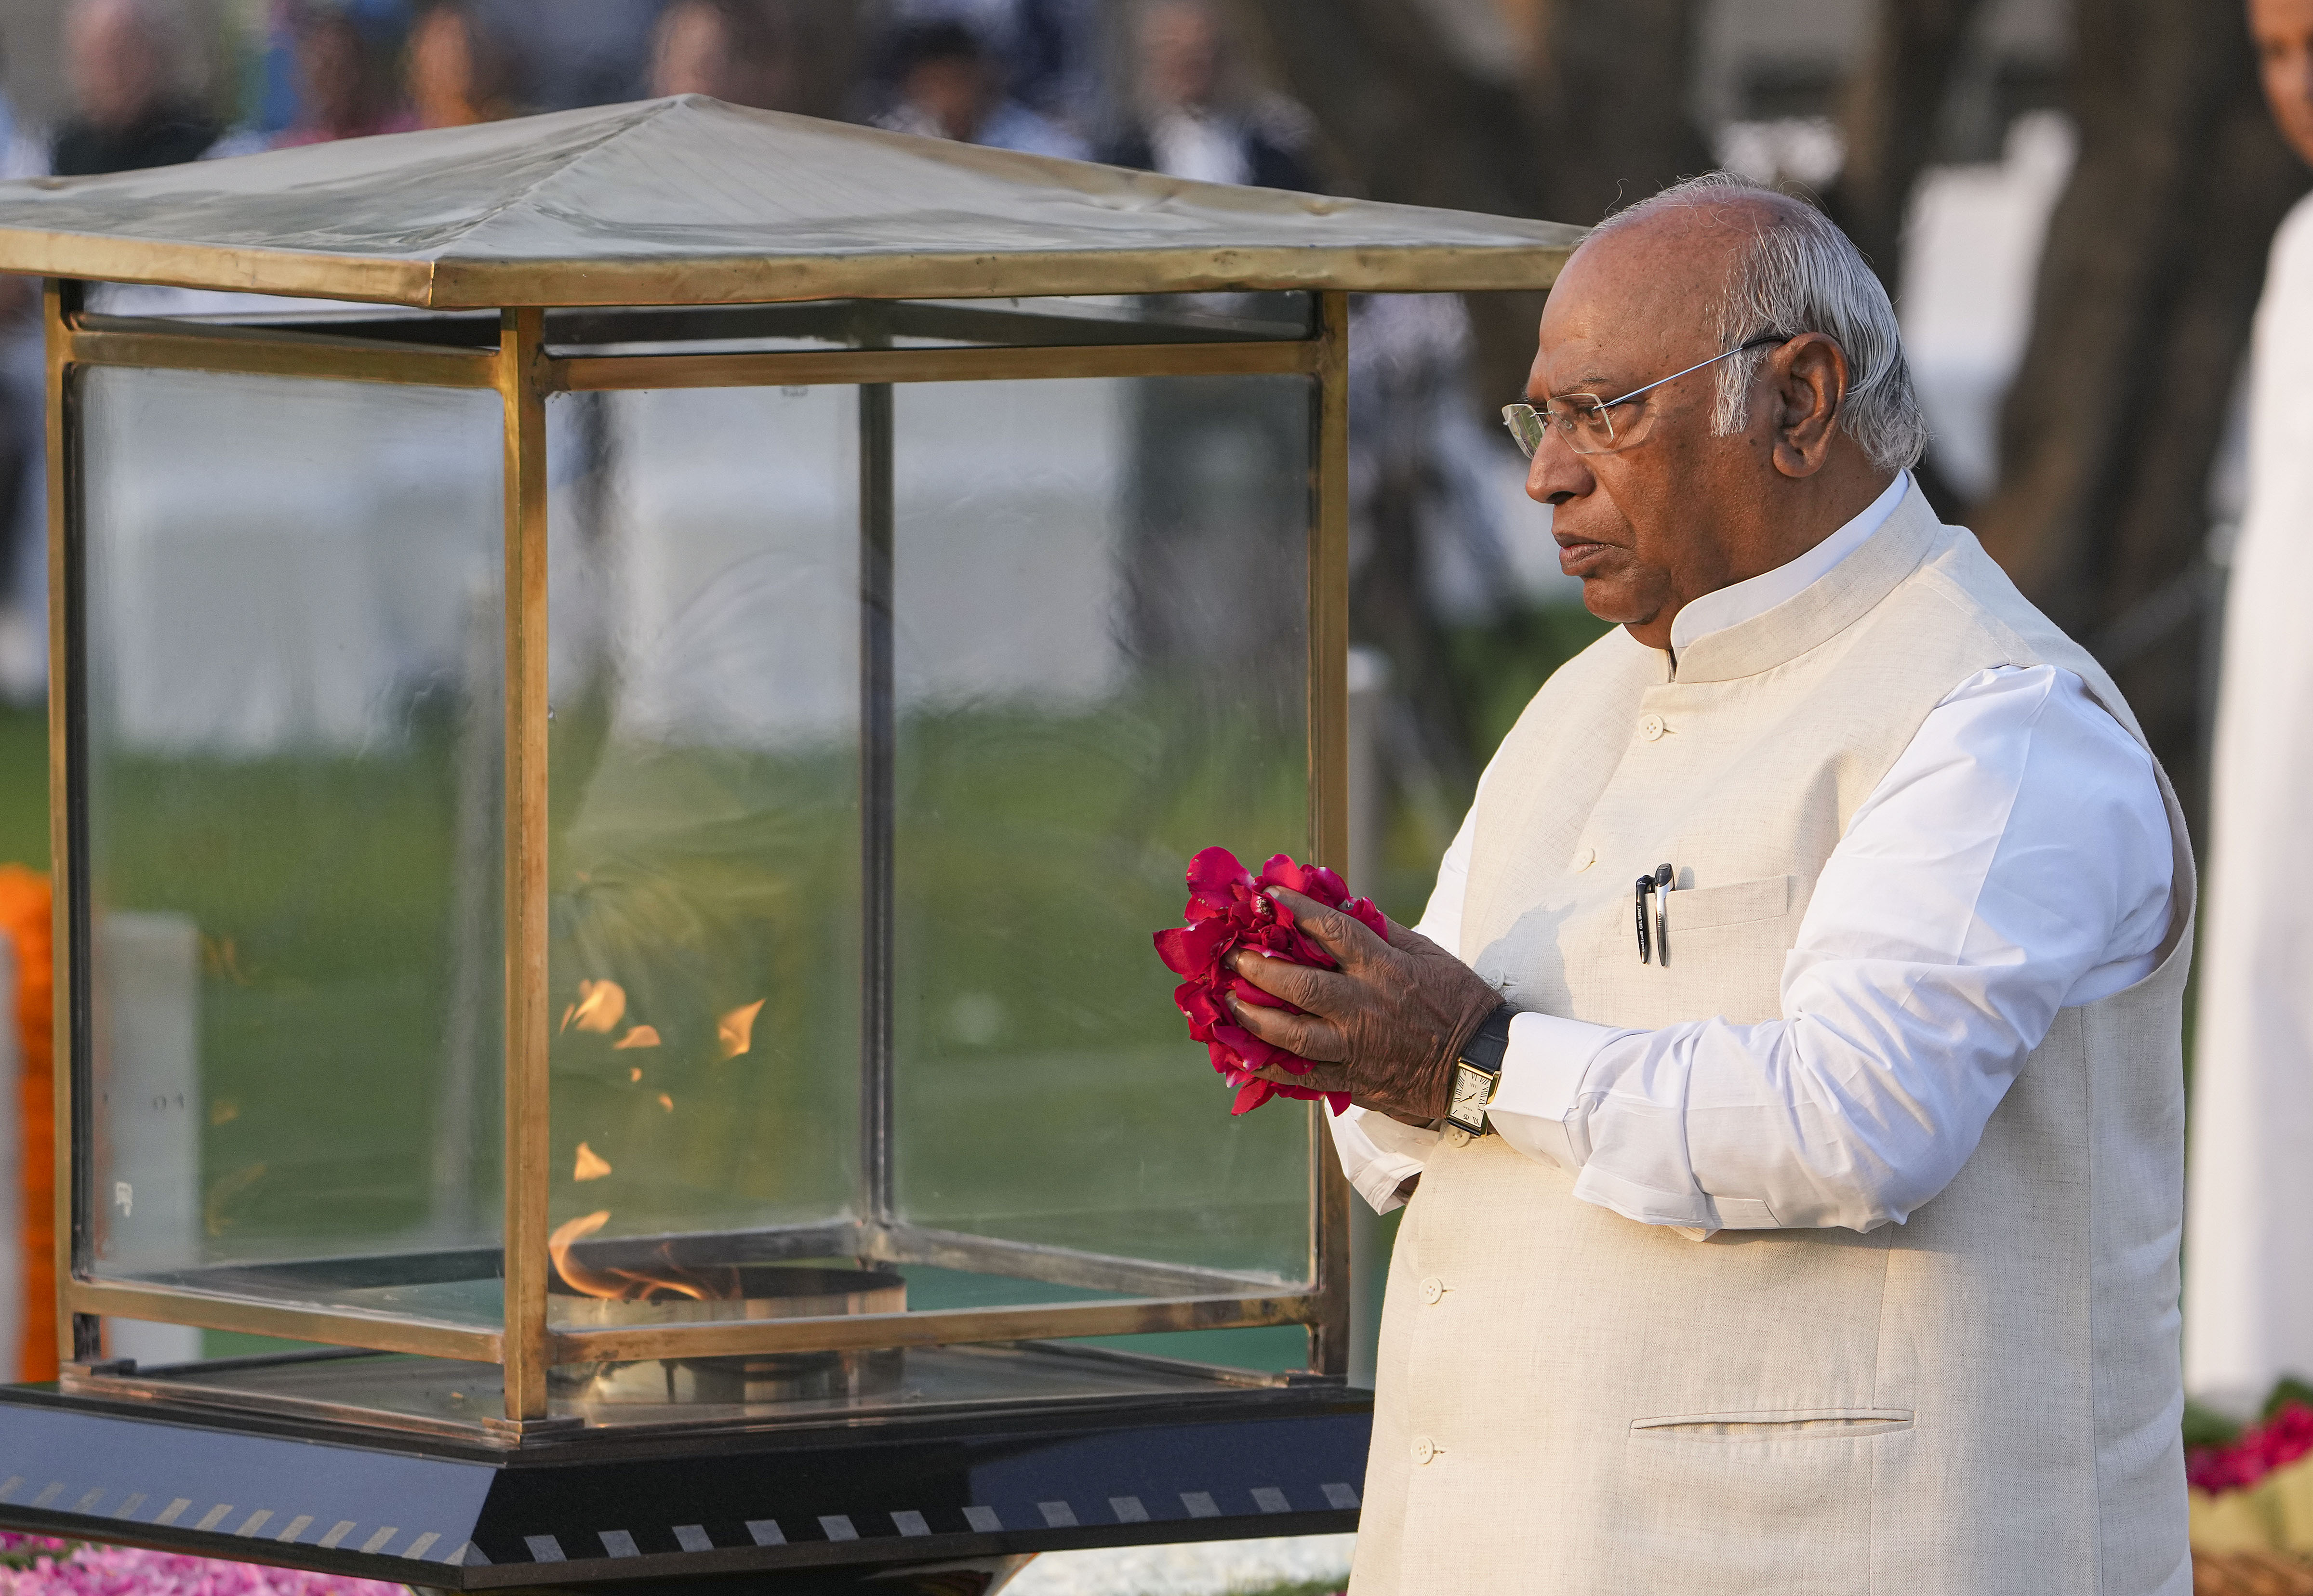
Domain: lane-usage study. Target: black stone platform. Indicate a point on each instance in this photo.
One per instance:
(737, 1507)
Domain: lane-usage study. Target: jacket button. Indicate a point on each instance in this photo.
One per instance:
(1586, 858)
(1432, 1289)
(1425, 1449)
(1455, 1137)
(1652, 728)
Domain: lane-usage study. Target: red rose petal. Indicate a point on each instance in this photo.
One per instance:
(1173, 948)
(1215, 873)
(1249, 993)
(1227, 910)
(1198, 1001)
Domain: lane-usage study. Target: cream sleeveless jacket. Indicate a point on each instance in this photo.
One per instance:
(1983, 1400)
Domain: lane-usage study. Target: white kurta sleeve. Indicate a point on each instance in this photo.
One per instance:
(2015, 860)
(1378, 1153)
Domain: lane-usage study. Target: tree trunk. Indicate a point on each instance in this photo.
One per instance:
(1890, 111)
(1592, 114)
(1888, 116)
(1605, 90)
(2150, 273)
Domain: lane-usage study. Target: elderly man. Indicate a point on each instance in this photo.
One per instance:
(1795, 1161)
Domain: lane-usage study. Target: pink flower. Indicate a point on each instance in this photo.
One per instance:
(1229, 908)
(2255, 1452)
(40, 1567)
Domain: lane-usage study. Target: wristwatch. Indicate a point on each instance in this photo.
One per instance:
(1478, 1070)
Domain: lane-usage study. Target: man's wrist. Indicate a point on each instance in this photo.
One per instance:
(1478, 1070)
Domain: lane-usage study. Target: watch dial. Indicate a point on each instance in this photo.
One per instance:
(1471, 1089)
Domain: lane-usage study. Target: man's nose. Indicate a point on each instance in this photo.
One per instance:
(1556, 473)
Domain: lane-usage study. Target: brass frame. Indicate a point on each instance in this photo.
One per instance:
(523, 374)
(521, 349)
(1329, 791)
(75, 1336)
(1505, 263)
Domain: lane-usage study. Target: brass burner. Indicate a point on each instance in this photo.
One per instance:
(768, 1291)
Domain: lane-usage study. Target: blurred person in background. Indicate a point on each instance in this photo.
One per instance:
(947, 84)
(736, 50)
(1429, 549)
(1050, 51)
(124, 60)
(128, 64)
(23, 369)
(345, 87)
(1192, 115)
(23, 146)
(598, 53)
(2249, 1281)
(458, 72)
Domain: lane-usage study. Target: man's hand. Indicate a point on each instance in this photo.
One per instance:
(1385, 1027)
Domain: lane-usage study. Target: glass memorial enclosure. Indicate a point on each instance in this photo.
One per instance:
(615, 768)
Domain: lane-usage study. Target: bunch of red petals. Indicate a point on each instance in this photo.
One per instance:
(2259, 1449)
(1229, 908)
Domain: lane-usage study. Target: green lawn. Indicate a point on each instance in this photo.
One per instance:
(23, 786)
(1046, 1092)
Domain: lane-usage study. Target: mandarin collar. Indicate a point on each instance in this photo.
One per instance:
(1819, 611)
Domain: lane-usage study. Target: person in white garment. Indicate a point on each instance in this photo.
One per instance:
(1192, 114)
(1785, 1080)
(2248, 1289)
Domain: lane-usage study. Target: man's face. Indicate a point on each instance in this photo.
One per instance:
(114, 70)
(1635, 524)
(329, 66)
(442, 76)
(1180, 54)
(693, 53)
(952, 92)
(2283, 32)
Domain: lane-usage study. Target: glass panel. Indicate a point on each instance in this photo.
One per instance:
(705, 859)
(1101, 603)
(294, 747)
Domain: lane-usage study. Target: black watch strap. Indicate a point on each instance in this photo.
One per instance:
(1477, 1069)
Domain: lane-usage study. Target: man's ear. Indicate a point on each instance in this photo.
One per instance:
(1808, 380)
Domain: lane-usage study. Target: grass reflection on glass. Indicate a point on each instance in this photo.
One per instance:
(1047, 1091)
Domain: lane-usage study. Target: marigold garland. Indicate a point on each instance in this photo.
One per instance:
(25, 921)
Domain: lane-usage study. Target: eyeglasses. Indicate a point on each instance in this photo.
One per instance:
(1586, 422)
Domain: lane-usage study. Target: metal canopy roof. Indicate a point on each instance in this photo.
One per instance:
(691, 201)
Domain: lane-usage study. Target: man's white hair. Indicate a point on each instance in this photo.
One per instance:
(1801, 274)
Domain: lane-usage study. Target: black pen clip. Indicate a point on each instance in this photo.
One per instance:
(1646, 943)
(1665, 880)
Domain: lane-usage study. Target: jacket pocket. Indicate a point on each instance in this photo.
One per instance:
(1698, 908)
(1775, 1501)
(1800, 1423)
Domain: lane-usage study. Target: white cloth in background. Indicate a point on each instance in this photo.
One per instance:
(1204, 149)
(2248, 1256)
(1011, 126)
(2015, 860)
